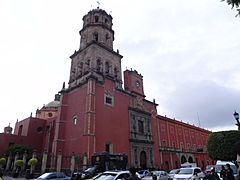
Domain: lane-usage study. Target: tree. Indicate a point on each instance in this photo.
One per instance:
(221, 145)
(234, 3)
(19, 163)
(32, 162)
(20, 149)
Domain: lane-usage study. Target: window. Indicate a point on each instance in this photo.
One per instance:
(115, 72)
(181, 146)
(164, 144)
(140, 126)
(39, 130)
(108, 99)
(173, 144)
(95, 36)
(75, 120)
(98, 65)
(109, 147)
(107, 67)
(96, 18)
(50, 114)
(106, 20)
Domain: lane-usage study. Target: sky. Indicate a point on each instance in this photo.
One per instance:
(187, 51)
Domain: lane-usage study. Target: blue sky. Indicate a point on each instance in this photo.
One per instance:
(187, 52)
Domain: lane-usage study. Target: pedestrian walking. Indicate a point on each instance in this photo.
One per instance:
(229, 173)
(133, 175)
(223, 173)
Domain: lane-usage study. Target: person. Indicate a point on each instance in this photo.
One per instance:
(154, 177)
(223, 173)
(229, 172)
(214, 175)
(133, 175)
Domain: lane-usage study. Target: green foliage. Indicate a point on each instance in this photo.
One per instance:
(221, 145)
(21, 149)
(32, 162)
(234, 3)
(3, 161)
(236, 147)
(19, 163)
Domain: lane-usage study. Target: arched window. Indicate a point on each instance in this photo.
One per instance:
(75, 120)
(96, 18)
(107, 67)
(98, 65)
(107, 38)
(95, 36)
(115, 72)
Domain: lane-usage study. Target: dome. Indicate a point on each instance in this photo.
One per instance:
(53, 104)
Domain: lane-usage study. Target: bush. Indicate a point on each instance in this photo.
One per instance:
(19, 163)
(2, 162)
(32, 162)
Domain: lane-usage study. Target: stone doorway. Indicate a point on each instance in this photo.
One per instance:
(143, 160)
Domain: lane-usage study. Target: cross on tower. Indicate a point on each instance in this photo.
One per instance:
(98, 4)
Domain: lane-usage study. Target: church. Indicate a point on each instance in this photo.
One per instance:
(103, 109)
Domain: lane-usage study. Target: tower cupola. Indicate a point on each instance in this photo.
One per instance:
(96, 57)
(100, 30)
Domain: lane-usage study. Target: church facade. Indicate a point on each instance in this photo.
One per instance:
(97, 112)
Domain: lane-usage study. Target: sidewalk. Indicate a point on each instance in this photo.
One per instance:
(11, 178)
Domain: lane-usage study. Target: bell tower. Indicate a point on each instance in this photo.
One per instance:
(96, 57)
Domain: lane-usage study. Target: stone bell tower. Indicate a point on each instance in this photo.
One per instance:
(96, 57)
(95, 75)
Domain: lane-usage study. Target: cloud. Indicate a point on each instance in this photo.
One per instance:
(203, 103)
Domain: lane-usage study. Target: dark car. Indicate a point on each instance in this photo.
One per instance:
(54, 176)
(144, 173)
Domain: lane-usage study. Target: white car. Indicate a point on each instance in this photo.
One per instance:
(172, 173)
(191, 173)
(113, 175)
(161, 175)
(54, 176)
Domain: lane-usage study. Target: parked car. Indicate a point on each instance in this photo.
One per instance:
(144, 173)
(191, 173)
(113, 175)
(54, 176)
(172, 173)
(219, 164)
(161, 175)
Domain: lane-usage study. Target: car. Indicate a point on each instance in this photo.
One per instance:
(172, 173)
(219, 164)
(161, 175)
(144, 173)
(54, 176)
(113, 175)
(190, 173)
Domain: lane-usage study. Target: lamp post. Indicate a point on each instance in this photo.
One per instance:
(236, 116)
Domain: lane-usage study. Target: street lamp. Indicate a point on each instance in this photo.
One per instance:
(236, 116)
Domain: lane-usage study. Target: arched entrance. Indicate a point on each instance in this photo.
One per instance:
(190, 159)
(183, 159)
(143, 160)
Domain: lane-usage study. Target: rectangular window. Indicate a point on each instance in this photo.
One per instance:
(108, 99)
(96, 18)
(140, 126)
